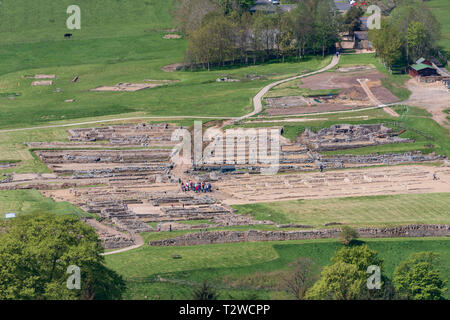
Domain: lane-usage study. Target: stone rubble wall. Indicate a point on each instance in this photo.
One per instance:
(346, 136)
(217, 237)
(336, 161)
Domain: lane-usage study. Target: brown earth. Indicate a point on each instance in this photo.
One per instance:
(335, 184)
(312, 109)
(172, 67)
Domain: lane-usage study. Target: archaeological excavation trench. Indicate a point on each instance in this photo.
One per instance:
(124, 177)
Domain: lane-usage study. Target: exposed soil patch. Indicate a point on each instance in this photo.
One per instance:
(354, 68)
(172, 36)
(42, 76)
(42, 83)
(173, 67)
(128, 87)
(433, 97)
(351, 96)
(335, 184)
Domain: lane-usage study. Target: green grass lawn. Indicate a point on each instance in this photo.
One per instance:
(441, 10)
(356, 211)
(118, 42)
(29, 201)
(245, 270)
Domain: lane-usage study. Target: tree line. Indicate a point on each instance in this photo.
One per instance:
(347, 277)
(408, 33)
(221, 34)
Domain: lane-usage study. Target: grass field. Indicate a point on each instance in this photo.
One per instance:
(245, 270)
(441, 10)
(118, 42)
(29, 201)
(356, 211)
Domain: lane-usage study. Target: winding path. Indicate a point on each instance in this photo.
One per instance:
(257, 100)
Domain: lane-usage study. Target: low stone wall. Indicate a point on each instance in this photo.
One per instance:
(117, 242)
(253, 235)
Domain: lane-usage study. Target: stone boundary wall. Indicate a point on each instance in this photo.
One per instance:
(216, 237)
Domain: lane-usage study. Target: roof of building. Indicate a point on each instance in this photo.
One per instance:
(421, 66)
(420, 60)
(362, 35)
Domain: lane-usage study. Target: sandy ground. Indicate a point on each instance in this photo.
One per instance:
(403, 179)
(433, 97)
(341, 80)
(365, 85)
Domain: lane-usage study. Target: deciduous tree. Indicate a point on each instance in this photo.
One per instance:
(418, 278)
(36, 251)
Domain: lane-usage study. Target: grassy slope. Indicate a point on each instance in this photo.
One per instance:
(356, 211)
(441, 9)
(29, 201)
(231, 264)
(119, 41)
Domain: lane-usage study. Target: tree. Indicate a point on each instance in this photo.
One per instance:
(302, 277)
(346, 278)
(229, 6)
(36, 251)
(404, 15)
(265, 32)
(417, 38)
(351, 19)
(348, 234)
(339, 281)
(205, 292)
(301, 20)
(325, 26)
(213, 42)
(418, 278)
(188, 14)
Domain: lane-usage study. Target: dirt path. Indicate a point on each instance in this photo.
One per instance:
(257, 100)
(374, 99)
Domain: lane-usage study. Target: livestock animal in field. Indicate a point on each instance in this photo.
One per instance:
(67, 35)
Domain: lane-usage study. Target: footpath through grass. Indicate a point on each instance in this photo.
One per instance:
(245, 270)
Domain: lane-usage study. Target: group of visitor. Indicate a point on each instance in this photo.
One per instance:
(196, 186)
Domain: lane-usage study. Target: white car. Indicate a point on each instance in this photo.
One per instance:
(275, 2)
